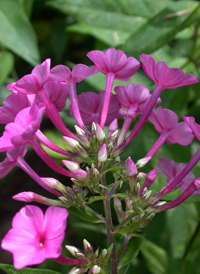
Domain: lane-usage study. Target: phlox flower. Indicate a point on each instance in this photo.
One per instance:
(90, 105)
(32, 83)
(164, 76)
(115, 65)
(34, 236)
(171, 170)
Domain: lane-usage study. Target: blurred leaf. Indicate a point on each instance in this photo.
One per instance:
(11, 270)
(27, 5)
(95, 198)
(181, 222)
(131, 249)
(160, 29)
(155, 257)
(110, 21)
(6, 64)
(84, 215)
(16, 32)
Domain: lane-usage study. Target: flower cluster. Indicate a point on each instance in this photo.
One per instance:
(92, 153)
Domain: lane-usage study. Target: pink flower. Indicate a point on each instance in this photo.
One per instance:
(167, 120)
(79, 72)
(171, 170)
(164, 76)
(10, 109)
(23, 129)
(57, 94)
(90, 105)
(35, 237)
(190, 121)
(131, 95)
(114, 61)
(32, 83)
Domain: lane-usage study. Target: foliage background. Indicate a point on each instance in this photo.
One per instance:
(65, 30)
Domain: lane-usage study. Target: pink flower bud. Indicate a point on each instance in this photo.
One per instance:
(102, 156)
(80, 175)
(131, 168)
(72, 166)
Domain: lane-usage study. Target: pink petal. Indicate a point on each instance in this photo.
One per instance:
(80, 72)
(190, 121)
(115, 59)
(42, 71)
(60, 73)
(29, 84)
(99, 59)
(166, 167)
(181, 134)
(55, 222)
(129, 69)
(148, 64)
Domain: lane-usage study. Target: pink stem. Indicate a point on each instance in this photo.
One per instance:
(23, 165)
(150, 105)
(43, 139)
(54, 115)
(47, 159)
(68, 261)
(108, 91)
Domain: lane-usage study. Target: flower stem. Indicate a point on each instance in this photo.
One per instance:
(109, 226)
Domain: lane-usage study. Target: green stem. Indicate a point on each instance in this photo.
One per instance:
(127, 238)
(109, 226)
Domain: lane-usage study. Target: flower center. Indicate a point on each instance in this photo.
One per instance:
(41, 241)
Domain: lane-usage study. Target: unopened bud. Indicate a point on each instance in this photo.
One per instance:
(100, 134)
(152, 174)
(72, 249)
(72, 142)
(28, 197)
(131, 168)
(53, 183)
(80, 175)
(102, 155)
(142, 162)
(112, 127)
(72, 166)
(118, 209)
(79, 130)
(104, 253)
(141, 175)
(96, 269)
(87, 246)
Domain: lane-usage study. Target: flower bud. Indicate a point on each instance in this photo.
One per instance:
(142, 162)
(100, 134)
(80, 175)
(53, 183)
(73, 250)
(28, 197)
(72, 166)
(96, 269)
(87, 247)
(118, 209)
(112, 127)
(102, 155)
(72, 142)
(131, 168)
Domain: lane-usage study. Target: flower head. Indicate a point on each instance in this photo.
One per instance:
(164, 76)
(114, 61)
(34, 237)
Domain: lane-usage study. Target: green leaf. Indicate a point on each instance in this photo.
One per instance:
(132, 248)
(95, 198)
(181, 222)
(11, 270)
(6, 64)
(109, 21)
(16, 32)
(84, 215)
(160, 29)
(155, 257)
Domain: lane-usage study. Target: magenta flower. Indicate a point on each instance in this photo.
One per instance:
(10, 109)
(190, 121)
(32, 83)
(171, 170)
(57, 94)
(115, 65)
(164, 76)
(90, 105)
(34, 236)
(165, 121)
(114, 61)
(23, 129)
(63, 74)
